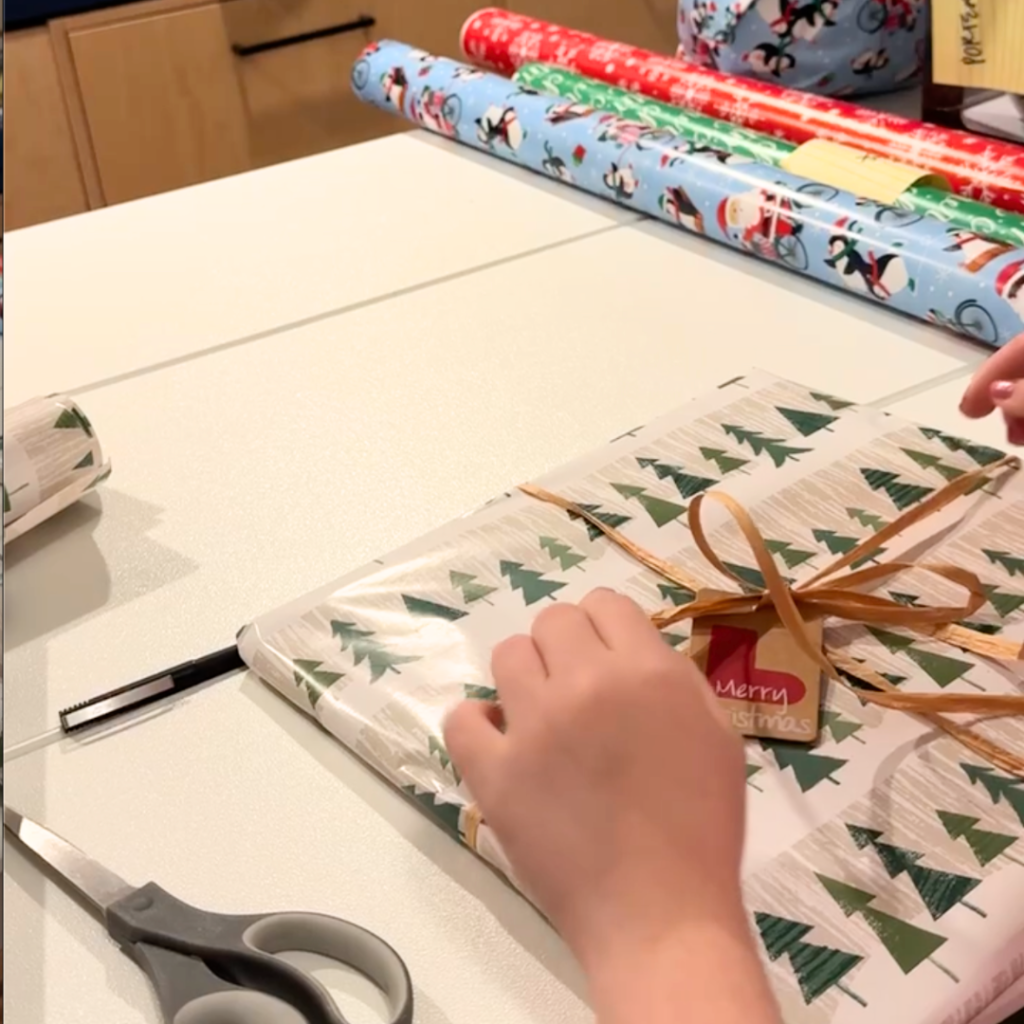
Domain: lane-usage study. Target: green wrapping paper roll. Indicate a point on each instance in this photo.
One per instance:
(745, 144)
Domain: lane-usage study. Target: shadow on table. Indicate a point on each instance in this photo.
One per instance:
(521, 922)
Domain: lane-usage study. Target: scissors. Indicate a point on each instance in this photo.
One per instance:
(214, 968)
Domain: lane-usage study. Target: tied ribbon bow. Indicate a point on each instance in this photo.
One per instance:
(826, 594)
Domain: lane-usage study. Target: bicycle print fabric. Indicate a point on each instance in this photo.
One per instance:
(830, 47)
(912, 265)
(884, 871)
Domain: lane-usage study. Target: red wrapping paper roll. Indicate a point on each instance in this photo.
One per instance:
(983, 169)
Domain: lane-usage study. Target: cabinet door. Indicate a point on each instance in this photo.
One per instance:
(647, 23)
(161, 100)
(43, 180)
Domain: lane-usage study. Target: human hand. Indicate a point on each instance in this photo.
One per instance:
(617, 792)
(998, 384)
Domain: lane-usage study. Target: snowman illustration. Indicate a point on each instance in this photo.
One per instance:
(881, 277)
(676, 204)
(622, 181)
(562, 112)
(769, 59)
(500, 124)
(1010, 286)
(555, 165)
(978, 250)
(870, 61)
(766, 221)
(395, 84)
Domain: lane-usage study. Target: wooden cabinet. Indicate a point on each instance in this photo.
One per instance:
(133, 100)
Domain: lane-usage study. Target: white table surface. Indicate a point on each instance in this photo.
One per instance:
(248, 473)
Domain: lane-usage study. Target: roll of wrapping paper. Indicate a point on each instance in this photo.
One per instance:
(51, 457)
(966, 216)
(976, 167)
(848, 243)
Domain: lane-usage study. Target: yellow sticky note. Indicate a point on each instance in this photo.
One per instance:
(978, 44)
(851, 170)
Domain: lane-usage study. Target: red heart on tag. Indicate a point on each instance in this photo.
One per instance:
(734, 674)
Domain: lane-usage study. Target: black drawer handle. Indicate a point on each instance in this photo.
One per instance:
(363, 21)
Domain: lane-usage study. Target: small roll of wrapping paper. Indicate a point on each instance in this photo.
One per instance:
(51, 457)
(965, 215)
(979, 168)
(920, 269)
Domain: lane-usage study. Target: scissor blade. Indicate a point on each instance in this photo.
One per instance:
(91, 881)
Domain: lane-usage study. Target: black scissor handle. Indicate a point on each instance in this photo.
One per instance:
(197, 960)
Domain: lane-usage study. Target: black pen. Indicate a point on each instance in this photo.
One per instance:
(152, 688)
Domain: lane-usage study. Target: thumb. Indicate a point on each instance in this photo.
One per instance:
(473, 739)
(1006, 365)
(1008, 397)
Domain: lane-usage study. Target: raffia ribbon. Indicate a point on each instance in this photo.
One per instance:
(824, 595)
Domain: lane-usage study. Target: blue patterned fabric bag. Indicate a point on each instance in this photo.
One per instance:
(831, 47)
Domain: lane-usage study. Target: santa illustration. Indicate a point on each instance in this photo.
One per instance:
(622, 181)
(679, 206)
(500, 124)
(395, 85)
(881, 277)
(978, 251)
(761, 217)
(1010, 286)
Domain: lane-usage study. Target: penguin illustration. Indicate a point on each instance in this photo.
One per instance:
(1010, 285)
(500, 124)
(722, 156)
(555, 165)
(679, 206)
(768, 58)
(790, 20)
(622, 181)
(881, 277)
(869, 62)
(395, 85)
(977, 250)
(562, 112)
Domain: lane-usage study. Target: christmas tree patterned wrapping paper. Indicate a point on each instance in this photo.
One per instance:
(51, 457)
(885, 866)
(913, 265)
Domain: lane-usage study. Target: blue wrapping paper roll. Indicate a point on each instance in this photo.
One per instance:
(918, 266)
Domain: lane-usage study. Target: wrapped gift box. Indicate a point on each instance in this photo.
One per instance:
(884, 871)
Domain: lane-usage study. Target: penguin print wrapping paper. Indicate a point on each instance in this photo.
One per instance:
(831, 47)
(910, 263)
(884, 873)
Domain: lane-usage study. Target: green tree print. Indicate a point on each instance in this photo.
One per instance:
(836, 404)
(774, 447)
(471, 590)
(807, 423)
(674, 640)
(662, 512)
(85, 461)
(985, 845)
(790, 555)
(446, 814)
(676, 594)
(1002, 601)
(981, 454)
(987, 628)
(1011, 563)
(752, 577)
(902, 494)
(431, 609)
(437, 749)
(940, 891)
(687, 484)
(817, 968)
(839, 545)
(841, 728)
(73, 419)
(928, 461)
(940, 668)
(907, 944)
(809, 768)
(365, 647)
(312, 680)
(752, 770)
(910, 600)
(868, 519)
(725, 462)
(998, 786)
(529, 583)
(562, 553)
(612, 520)
(487, 694)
